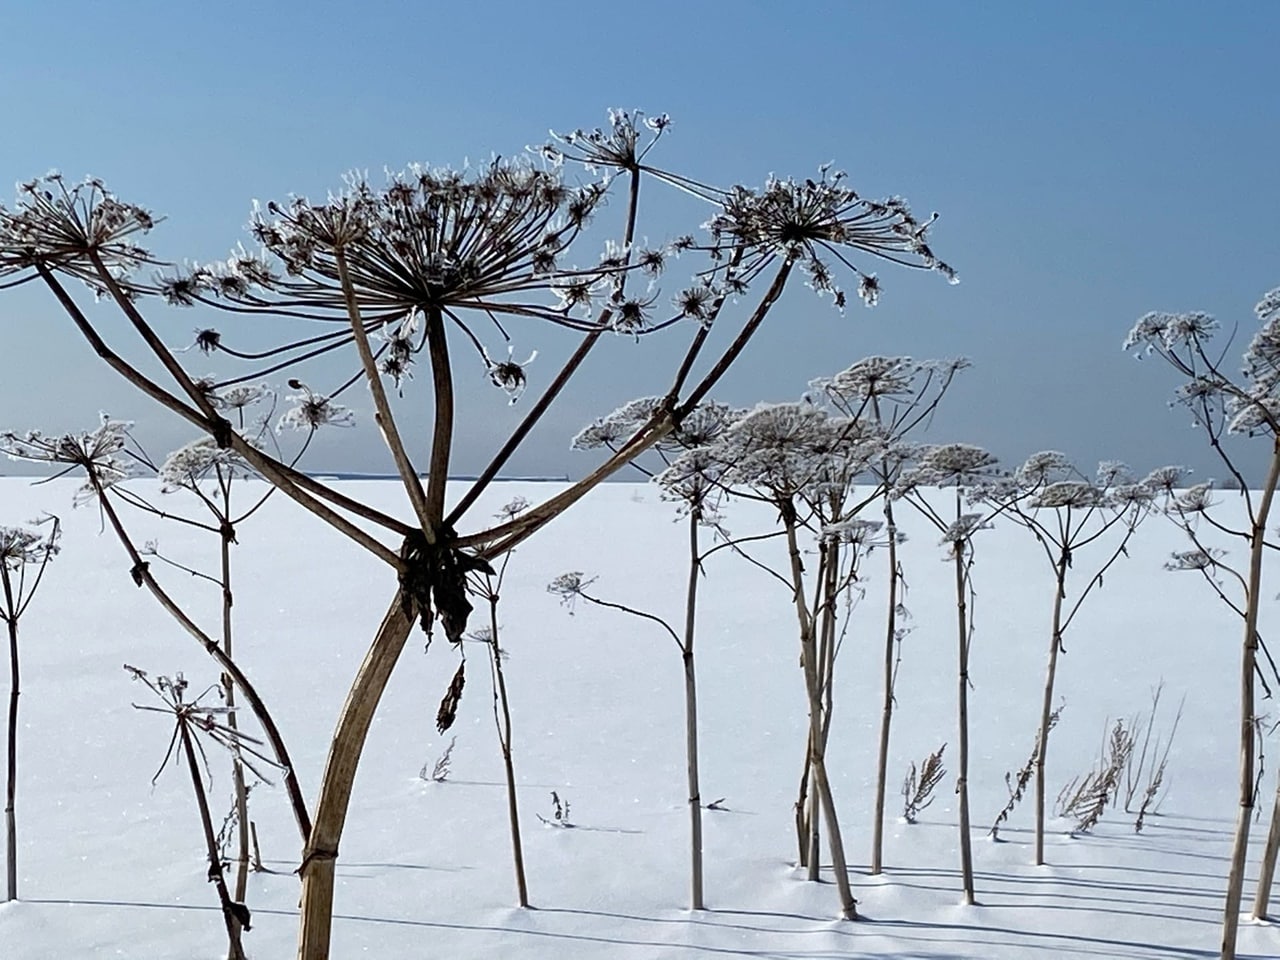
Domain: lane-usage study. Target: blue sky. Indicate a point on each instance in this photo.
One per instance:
(1090, 162)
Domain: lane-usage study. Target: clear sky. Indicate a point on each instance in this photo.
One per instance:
(1090, 162)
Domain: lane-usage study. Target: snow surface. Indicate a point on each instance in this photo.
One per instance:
(111, 865)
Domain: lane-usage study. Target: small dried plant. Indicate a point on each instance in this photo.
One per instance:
(1085, 798)
(559, 813)
(1018, 787)
(24, 555)
(1145, 780)
(918, 785)
(439, 771)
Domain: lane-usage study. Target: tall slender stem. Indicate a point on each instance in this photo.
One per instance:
(691, 718)
(502, 716)
(962, 774)
(1248, 664)
(1267, 868)
(809, 656)
(11, 780)
(886, 714)
(1046, 704)
(226, 538)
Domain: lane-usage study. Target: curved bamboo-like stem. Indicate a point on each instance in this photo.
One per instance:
(1248, 664)
(321, 851)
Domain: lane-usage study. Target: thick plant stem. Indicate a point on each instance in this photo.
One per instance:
(442, 433)
(1046, 705)
(321, 852)
(1248, 664)
(691, 719)
(962, 773)
(504, 739)
(817, 761)
(1267, 870)
(11, 779)
(886, 712)
(211, 845)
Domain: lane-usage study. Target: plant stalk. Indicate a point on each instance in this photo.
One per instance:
(962, 773)
(211, 845)
(504, 739)
(691, 719)
(1248, 664)
(321, 851)
(11, 779)
(886, 713)
(1046, 704)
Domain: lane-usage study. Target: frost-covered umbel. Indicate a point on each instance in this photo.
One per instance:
(100, 453)
(791, 449)
(820, 223)
(703, 425)
(20, 546)
(1250, 406)
(885, 378)
(950, 465)
(65, 229)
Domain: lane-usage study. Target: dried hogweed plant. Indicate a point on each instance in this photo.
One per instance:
(1222, 404)
(691, 478)
(25, 553)
(966, 469)
(899, 395)
(210, 477)
(432, 261)
(1067, 511)
(805, 462)
(192, 720)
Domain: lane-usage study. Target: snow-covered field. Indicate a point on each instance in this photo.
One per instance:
(111, 865)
